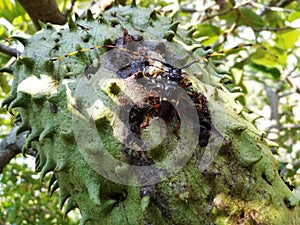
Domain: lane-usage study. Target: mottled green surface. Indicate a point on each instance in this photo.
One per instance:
(241, 186)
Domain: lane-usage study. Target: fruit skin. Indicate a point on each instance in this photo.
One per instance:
(240, 186)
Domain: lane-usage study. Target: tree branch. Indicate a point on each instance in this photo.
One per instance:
(11, 146)
(68, 11)
(44, 10)
(285, 3)
(235, 7)
(293, 84)
(9, 51)
(274, 103)
(271, 8)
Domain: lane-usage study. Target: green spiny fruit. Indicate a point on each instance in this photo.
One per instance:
(237, 184)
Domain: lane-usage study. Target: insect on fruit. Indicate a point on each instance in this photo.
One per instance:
(154, 69)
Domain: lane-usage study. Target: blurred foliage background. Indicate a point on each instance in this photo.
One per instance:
(267, 72)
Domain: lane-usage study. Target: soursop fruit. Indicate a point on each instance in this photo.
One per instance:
(138, 133)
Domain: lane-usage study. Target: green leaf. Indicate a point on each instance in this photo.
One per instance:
(230, 18)
(18, 9)
(6, 8)
(4, 58)
(269, 57)
(286, 39)
(3, 32)
(274, 19)
(211, 32)
(268, 72)
(237, 75)
(18, 21)
(4, 84)
(250, 18)
(207, 30)
(293, 16)
(9, 11)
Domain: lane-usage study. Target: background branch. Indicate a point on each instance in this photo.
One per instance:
(11, 146)
(46, 11)
(9, 51)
